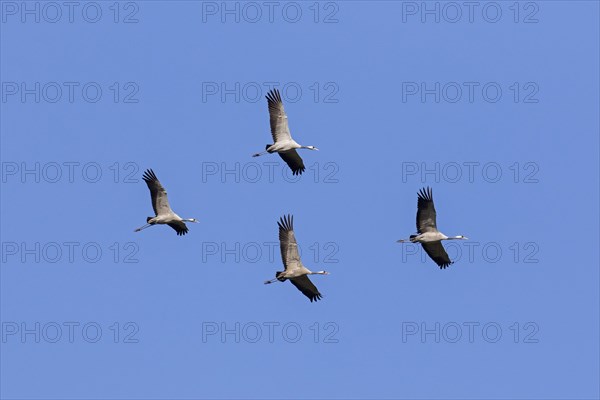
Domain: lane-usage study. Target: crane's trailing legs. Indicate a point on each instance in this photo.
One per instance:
(278, 277)
(143, 227)
(264, 152)
(148, 225)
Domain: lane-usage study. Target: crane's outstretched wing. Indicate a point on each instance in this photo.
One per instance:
(293, 160)
(160, 203)
(436, 251)
(426, 212)
(287, 243)
(306, 287)
(180, 227)
(279, 121)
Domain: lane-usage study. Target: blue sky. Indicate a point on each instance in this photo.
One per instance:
(494, 107)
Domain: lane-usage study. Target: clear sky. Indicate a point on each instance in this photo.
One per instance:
(495, 105)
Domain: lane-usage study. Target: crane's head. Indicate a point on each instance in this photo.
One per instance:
(461, 237)
(321, 273)
(192, 220)
(310, 147)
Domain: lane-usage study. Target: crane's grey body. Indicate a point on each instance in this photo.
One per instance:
(428, 237)
(295, 271)
(428, 234)
(283, 144)
(160, 204)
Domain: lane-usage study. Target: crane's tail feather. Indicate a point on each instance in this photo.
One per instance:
(279, 277)
(267, 146)
(148, 219)
(411, 239)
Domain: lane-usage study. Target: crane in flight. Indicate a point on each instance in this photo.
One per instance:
(295, 271)
(160, 204)
(429, 236)
(283, 144)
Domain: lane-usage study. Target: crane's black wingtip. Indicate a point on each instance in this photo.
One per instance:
(286, 222)
(426, 194)
(445, 265)
(273, 96)
(149, 175)
(315, 297)
(178, 229)
(298, 171)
